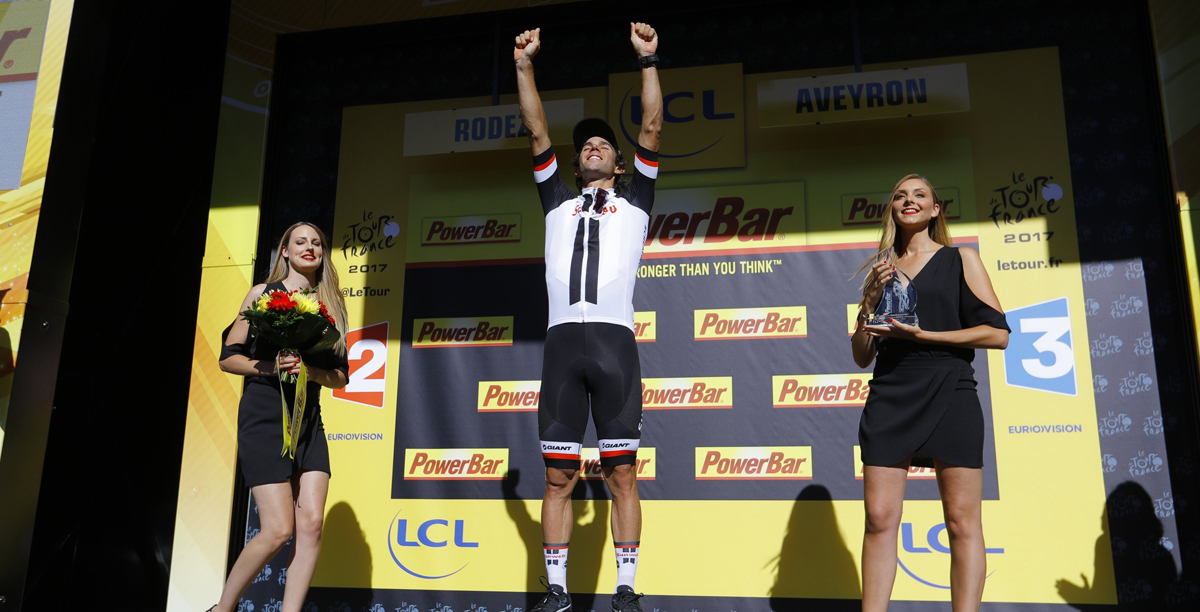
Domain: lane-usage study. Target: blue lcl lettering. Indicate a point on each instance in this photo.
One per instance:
(931, 537)
(459, 541)
(708, 99)
(710, 107)
(423, 535)
(907, 538)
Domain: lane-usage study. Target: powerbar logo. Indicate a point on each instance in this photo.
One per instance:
(645, 326)
(724, 220)
(645, 464)
(455, 463)
(481, 331)
(820, 390)
(871, 208)
(750, 323)
(754, 463)
(687, 393)
(509, 395)
(470, 230)
(914, 472)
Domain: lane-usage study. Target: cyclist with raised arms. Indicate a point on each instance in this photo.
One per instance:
(590, 364)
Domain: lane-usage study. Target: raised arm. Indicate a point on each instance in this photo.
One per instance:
(528, 43)
(645, 42)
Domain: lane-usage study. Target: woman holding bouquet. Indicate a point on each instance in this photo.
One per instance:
(289, 487)
(923, 408)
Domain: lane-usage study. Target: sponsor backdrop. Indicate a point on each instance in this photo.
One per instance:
(751, 478)
(202, 541)
(33, 38)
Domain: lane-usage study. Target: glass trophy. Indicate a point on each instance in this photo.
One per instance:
(898, 301)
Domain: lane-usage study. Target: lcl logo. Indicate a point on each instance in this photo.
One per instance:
(437, 533)
(424, 538)
(678, 107)
(934, 545)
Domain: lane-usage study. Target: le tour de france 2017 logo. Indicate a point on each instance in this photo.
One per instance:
(1025, 197)
(370, 234)
(432, 548)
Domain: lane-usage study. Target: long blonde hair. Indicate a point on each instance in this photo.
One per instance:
(938, 231)
(329, 289)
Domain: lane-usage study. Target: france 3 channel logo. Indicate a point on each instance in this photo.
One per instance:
(1041, 352)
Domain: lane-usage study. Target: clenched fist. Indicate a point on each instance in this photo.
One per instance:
(644, 39)
(527, 45)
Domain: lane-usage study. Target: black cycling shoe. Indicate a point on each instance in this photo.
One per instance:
(555, 600)
(625, 600)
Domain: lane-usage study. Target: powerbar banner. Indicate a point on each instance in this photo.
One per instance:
(749, 468)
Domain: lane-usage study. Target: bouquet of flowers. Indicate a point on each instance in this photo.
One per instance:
(298, 322)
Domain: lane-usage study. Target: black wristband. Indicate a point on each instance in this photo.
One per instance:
(647, 61)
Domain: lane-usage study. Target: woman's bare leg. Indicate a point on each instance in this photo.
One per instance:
(883, 498)
(275, 516)
(310, 490)
(962, 506)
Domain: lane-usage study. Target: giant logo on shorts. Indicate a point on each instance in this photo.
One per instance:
(367, 352)
(431, 547)
(1041, 353)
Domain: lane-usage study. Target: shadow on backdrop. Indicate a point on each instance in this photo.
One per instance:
(347, 556)
(7, 367)
(1142, 570)
(814, 559)
(588, 538)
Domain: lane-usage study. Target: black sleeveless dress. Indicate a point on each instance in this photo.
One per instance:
(260, 415)
(923, 403)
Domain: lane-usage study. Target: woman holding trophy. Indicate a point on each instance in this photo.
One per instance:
(923, 408)
(289, 341)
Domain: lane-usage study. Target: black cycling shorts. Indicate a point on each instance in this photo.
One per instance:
(590, 367)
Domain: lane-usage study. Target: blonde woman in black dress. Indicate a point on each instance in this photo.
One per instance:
(290, 493)
(923, 408)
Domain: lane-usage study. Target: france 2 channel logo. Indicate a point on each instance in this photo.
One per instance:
(1040, 353)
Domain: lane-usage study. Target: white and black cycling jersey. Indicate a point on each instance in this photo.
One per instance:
(594, 242)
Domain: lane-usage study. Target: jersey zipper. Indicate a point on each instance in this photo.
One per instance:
(587, 227)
